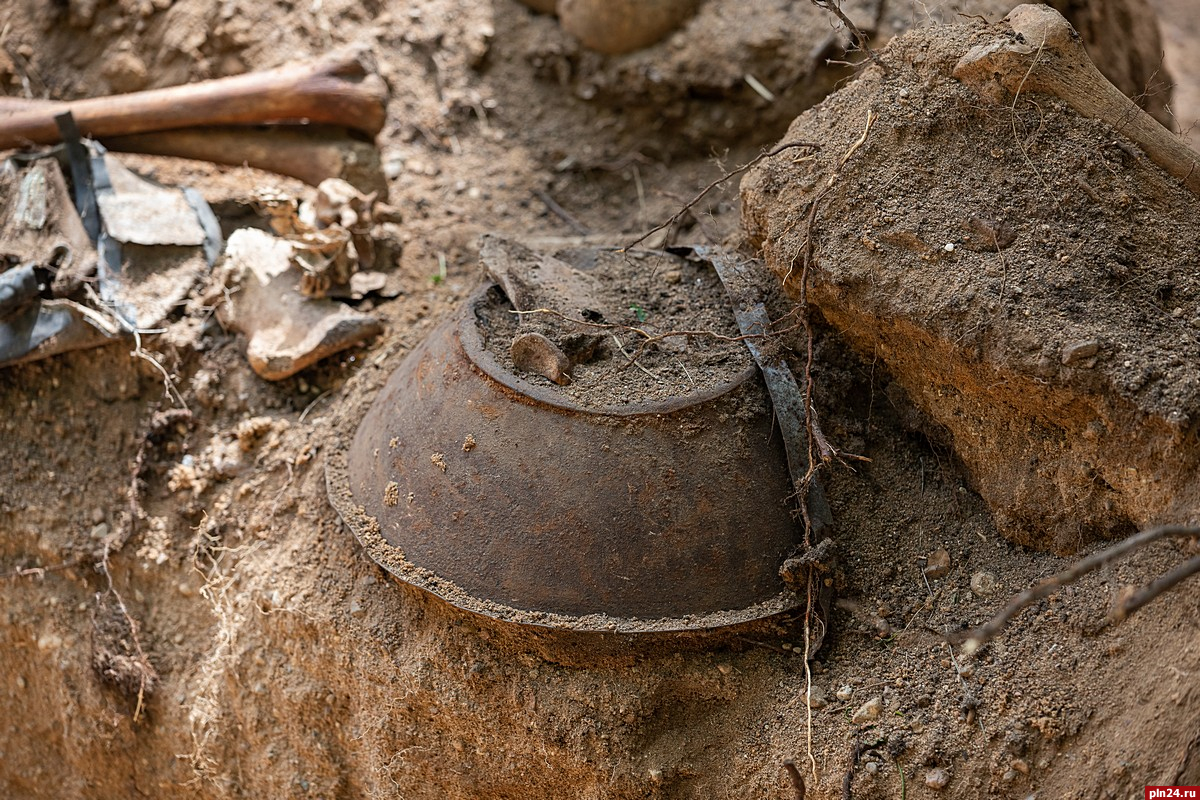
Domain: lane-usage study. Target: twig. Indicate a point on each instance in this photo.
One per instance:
(704, 192)
(820, 452)
(144, 664)
(39, 572)
(633, 360)
(975, 638)
(316, 400)
(1012, 118)
(1147, 593)
(808, 715)
(854, 147)
(650, 338)
(835, 7)
(169, 388)
(562, 213)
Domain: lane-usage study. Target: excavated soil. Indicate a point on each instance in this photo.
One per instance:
(1034, 288)
(660, 327)
(218, 632)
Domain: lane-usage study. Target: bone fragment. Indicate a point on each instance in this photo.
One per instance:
(1044, 54)
(310, 154)
(533, 352)
(336, 90)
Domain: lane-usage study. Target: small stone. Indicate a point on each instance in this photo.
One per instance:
(844, 693)
(724, 669)
(97, 516)
(937, 779)
(1020, 765)
(20, 683)
(937, 565)
(1078, 351)
(186, 589)
(872, 767)
(983, 583)
(49, 641)
(125, 72)
(178, 638)
(816, 698)
(100, 531)
(656, 775)
(533, 352)
(356, 609)
(868, 711)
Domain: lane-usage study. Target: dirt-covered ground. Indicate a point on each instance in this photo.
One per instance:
(269, 657)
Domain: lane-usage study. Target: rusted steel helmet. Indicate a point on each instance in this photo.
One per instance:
(507, 499)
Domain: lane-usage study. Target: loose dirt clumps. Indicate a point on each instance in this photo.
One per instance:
(1032, 287)
(290, 665)
(655, 326)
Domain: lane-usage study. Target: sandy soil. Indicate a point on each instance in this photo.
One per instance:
(247, 647)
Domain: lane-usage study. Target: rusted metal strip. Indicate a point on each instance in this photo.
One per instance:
(786, 394)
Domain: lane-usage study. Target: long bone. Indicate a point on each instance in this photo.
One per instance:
(336, 90)
(1044, 54)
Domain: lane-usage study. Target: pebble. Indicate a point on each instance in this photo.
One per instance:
(100, 531)
(97, 516)
(844, 693)
(49, 641)
(724, 669)
(816, 698)
(872, 767)
(868, 711)
(1020, 765)
(983, 583)
(1078, 351)
(937, 565)
(20, 683)
(356, 609)
(937, 779)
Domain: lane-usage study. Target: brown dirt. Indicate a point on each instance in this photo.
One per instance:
(287, 664)
(649, 300)
(977, 277)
